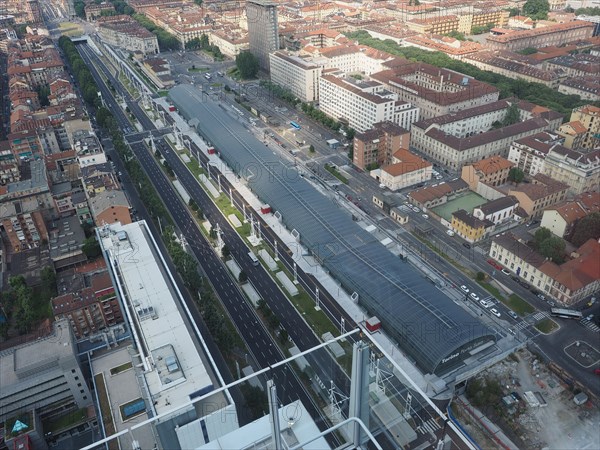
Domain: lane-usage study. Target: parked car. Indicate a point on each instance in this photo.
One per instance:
(474, 296)
(495, 312)
(505, 271)
(464, 289)
(450, 233)
(466, 244)
(425, 216)
(541, 296)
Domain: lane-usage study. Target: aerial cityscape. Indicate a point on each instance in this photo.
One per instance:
(317, 224)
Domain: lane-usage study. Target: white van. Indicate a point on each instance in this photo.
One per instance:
(253, 258)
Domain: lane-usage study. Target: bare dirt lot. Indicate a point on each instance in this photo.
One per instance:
(550, 419)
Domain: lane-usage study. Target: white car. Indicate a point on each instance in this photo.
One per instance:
(464, 289)
(425, 216)
(505, 271)
(495, 312)
(474, 296)
(450, 233)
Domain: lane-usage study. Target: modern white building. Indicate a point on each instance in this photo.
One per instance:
(361, 104)
(43, 375)
(298, 75)
(175, 367)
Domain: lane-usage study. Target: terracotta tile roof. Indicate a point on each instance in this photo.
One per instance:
(409, 162)
(570, 211)
(492, 164)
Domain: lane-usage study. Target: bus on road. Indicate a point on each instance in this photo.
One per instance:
(295, 125)
(566, 313)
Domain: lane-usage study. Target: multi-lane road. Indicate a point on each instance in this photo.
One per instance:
(262, 346)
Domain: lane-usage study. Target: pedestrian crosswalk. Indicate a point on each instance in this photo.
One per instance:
(431, 426)
(590, 325)
(540, 315)
(521, 326)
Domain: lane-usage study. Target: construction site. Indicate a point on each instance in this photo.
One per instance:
(523, 403)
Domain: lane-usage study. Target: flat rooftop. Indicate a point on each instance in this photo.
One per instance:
(150, 298)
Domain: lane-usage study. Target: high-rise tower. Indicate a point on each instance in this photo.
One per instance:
(263, 32)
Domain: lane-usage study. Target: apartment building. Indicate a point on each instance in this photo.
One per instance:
(566, 283)
(587, 88)
(351, 58)
(298, 75)
(361, 104)
(93, 11)
(514, 66)
(126, 33)
(43, 375)
(492, 171)
(91, 309)
(540, 194)
(528, 154)
(497, 211)
(263, 29)
(434, 91)
(561, 218)
(589, 117)
(434, 25)
(580, 171)
(406, 169)
(573, 133)
(469, 227)
(552, 35)
(300, 72)
(230, 41)
(110, 206)
(88, 148)
(377, 145)
(454, 140)
(454, 48)
(577, 65)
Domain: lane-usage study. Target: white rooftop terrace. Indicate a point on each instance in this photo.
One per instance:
(173, 371)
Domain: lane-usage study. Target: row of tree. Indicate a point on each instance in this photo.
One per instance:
(87, 85)
(508, 87)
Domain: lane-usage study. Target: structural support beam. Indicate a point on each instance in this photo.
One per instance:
(274, 411)
(359, 392)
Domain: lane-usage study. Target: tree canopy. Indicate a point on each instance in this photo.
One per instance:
(585, 229)
(550, 246)
(247, 65)
(516, 175)
(513, 115)
(91, 247)
(536, 9)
